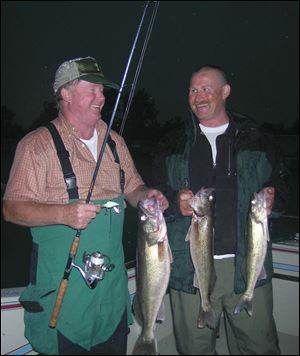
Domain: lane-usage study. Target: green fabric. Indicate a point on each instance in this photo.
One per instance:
(177, 171)
(87, 316)
(177, 229)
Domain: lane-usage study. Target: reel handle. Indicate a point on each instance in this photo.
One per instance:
(109, 268)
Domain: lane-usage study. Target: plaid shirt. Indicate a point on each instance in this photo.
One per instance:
(36, 173)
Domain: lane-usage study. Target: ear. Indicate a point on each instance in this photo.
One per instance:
(226, 91)
(65, 94)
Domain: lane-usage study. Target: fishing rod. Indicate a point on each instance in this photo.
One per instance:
(137, 73)
(74, 247)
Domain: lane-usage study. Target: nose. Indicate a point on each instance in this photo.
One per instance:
(100, 97)
(200, 95)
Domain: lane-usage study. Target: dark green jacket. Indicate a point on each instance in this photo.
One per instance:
(257, 164)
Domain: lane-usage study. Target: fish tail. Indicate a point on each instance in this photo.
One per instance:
(205, 318)
(145, 347)
(244, 303)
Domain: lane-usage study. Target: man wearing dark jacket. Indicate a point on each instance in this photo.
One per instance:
(227, 152)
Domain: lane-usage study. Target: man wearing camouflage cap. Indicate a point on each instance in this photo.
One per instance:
(41, 195)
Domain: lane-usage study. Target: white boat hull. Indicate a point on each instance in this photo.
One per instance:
(286, 306)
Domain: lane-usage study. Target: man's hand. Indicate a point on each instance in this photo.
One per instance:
(270, 196)
(182, 198)
(79, 214)
(142, 192)
(163, 202)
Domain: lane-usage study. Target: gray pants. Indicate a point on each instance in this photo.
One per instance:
(246, 335)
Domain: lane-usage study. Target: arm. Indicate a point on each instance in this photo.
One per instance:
(76, 215)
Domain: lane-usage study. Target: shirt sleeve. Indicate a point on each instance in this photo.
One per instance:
(27, 179)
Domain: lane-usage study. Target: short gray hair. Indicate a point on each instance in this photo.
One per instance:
(220, 70)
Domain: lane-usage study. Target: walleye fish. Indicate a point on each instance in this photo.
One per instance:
(200, 235)
(258, 235)
(153, 271)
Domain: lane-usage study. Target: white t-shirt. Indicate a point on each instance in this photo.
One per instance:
(92, 144)
(211, 134)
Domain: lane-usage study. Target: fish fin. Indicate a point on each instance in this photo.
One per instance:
(206, 318)
(145, 347)
(213, 280)
(196, 282)
(200, 320)
(266, 230)
(263, 274)
(137, 310)
(244, 303)
(161, 314)
(151, 239)
(244, 273)
(187, 238)
(163, 250)
(170, 254)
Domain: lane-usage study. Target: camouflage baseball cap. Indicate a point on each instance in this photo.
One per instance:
(81, 68)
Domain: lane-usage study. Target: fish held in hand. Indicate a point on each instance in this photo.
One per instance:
(200, 236)
(153, 272)
(258, 237)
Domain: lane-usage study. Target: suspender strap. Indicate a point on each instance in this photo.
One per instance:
(69, 175)
(112, 145)
(63, 156)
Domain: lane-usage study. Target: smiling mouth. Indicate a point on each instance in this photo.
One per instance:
(202, 105)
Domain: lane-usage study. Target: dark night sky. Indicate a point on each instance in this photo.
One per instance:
(256, 42)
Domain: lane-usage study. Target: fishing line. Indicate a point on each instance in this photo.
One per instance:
(137, 73)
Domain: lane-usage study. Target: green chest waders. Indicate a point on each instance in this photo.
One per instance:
(87, 316)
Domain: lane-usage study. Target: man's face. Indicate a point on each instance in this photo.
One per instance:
(86, 101)
(207, 94)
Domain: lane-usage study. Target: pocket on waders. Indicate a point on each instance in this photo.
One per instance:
(37, 299)
(38, 304)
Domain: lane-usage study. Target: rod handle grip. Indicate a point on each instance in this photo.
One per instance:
(60, 296)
